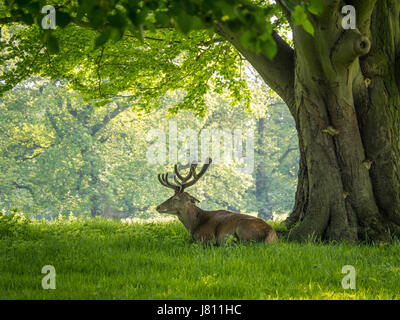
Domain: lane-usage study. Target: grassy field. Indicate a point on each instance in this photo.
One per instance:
(104, 259)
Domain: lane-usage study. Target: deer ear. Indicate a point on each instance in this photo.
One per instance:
(193, 199)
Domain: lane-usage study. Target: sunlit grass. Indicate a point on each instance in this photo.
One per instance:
(105, 259)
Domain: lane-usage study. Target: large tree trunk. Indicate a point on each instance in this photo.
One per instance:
(348, 129)
(347, 109)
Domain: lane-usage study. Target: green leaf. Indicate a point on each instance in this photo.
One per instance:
(22, 3)
(299, 15)
(247, 39)
(97, 16)
(184, 22)
(197, 24)
(227, 9)
(309, 27)
(162, 18)
(269, 48)
(117, 20)
(315, 7)
(52, 45)
(27, 19)
(103, 38)
(62, 19)
(33, 7)
(300, 18)
(101, 103)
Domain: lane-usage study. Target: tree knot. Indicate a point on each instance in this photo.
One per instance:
(351, 45)
(367, 164)
(331, 131)
(362, 45)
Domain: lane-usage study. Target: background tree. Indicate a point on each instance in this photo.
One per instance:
(340, 85)
(276, 150)
(63, 156)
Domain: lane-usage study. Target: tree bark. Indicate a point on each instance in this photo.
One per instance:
(346, 92)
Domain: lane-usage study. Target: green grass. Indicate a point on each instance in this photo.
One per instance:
(104, 259)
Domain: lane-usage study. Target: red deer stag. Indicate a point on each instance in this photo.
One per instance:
(210, 225)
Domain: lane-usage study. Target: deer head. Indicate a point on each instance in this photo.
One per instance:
(181, 201)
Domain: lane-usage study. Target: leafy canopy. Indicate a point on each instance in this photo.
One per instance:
(132, 48)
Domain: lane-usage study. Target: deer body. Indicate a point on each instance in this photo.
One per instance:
(218, 225)
(211, 225)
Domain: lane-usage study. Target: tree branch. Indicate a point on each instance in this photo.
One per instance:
(7, 20)
(98, 126)
(283, 157)
(71, 111)
(278, 73)
(21, 186)
(25, 158)
(54, 124)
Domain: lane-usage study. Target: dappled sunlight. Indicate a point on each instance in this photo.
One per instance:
(157, 219)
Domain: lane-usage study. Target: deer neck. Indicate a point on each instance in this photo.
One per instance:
(191, 217)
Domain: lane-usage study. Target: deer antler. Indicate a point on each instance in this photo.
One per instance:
(164, 181)
(184, 180)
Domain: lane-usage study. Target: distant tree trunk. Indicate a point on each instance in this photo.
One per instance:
(90, 159)
(90, 170)
(261, 192)
(343, 90)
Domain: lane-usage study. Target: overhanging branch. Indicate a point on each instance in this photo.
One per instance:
(277, 73)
